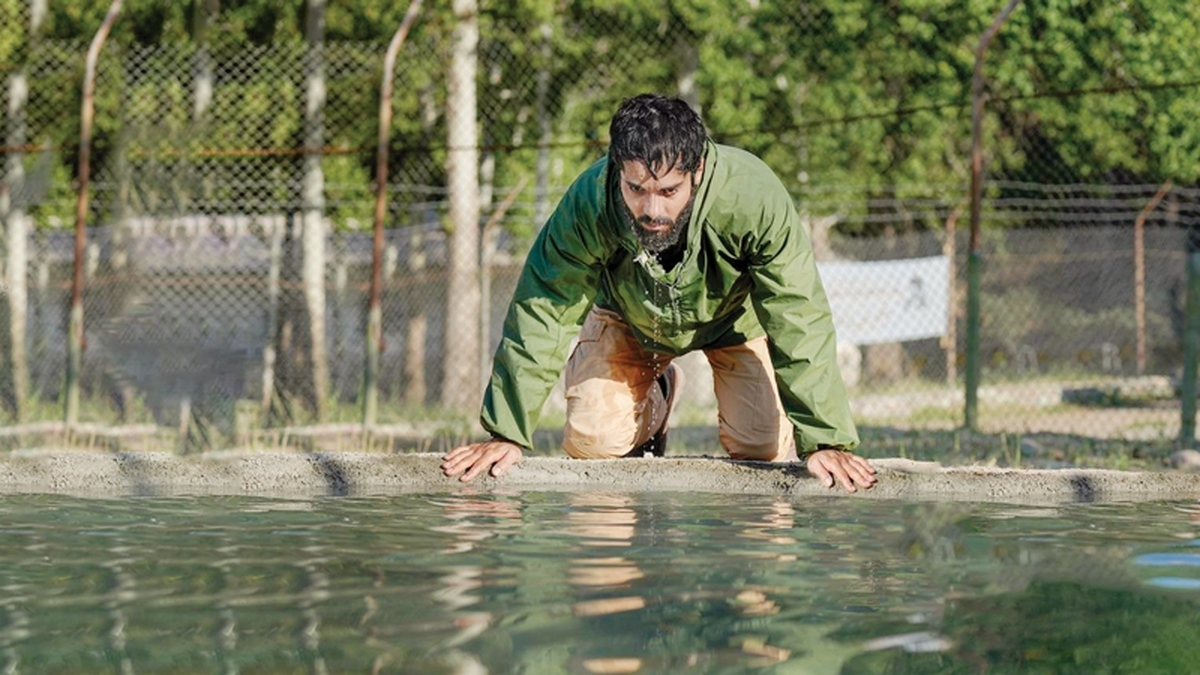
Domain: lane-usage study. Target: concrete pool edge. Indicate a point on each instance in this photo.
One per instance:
(271, 473)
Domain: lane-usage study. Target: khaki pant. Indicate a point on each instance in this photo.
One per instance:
(614, 404)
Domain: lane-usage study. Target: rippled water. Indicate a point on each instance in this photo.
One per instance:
(540, 582)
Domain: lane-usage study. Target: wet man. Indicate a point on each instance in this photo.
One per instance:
(671, 244)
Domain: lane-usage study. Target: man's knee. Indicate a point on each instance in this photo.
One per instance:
(601, 421)
(769, 452)
(759, 447)
(582, 445)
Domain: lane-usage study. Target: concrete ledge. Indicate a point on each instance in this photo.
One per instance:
(316, 474)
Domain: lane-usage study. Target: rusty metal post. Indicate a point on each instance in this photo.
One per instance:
(975, 258)
(1139, 272)
(75, 336)
(374, 346)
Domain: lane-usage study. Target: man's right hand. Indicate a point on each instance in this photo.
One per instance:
(471, 460)
(830, 466)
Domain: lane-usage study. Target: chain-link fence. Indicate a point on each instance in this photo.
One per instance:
(228, 264)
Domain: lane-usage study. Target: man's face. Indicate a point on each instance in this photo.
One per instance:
(659, 207)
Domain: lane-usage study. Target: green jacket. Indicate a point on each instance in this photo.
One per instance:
(748, 269)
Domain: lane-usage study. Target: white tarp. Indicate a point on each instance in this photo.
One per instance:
(887, 300)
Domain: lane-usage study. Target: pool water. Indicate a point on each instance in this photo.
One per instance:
(585, 582)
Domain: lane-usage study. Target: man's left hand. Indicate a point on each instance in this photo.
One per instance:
(852, 471)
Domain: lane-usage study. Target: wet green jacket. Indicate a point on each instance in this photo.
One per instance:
(748, 269)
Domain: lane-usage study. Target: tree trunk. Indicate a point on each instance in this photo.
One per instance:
(16, 229)
(288, 358)
(276, 233)
(14, 360)
(415, 390)
(689, 67)
(460, 386)
(541, 192)
(886, 363)
(416, 327)
(313, 198)
(202, 80)
(487, 244)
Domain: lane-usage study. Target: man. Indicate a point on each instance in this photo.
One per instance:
(671, 244)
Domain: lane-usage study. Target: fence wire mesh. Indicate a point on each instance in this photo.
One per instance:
(229, 249)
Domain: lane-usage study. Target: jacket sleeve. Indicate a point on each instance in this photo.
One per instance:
(791, 305)
(556, 288)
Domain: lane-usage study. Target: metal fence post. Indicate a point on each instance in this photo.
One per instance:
(374, 344)
(1191, 338)
(75, 336)
(975, 259)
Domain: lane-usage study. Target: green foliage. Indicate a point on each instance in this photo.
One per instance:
(834, 95)
(12, 37)
(1122, 55)
(350, 205)
(1056, 628)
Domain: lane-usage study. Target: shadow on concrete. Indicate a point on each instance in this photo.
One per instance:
(1085, 489)
(332, 472)
(137, 474)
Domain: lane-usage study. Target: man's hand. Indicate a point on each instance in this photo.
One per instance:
(850, 470)
(474, 459)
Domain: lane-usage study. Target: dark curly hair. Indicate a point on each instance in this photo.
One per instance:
(664, 133)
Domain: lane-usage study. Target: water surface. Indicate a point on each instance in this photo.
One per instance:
(539, 582)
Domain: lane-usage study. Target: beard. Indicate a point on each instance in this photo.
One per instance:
(657, 241)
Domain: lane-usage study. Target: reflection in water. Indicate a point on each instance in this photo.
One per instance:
(772, 525)
(1193, 513)
(115, 600)
(1168, 565)
(916, 643)
(475, 582)
(1043, 589)
(472, 519)
(313, 594)
(610, 585)
(602, 522)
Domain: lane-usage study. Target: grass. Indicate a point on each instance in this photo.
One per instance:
(927, 433)
(92, 410)
(960, 447)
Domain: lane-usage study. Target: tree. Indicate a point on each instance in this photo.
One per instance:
(14, 197)
(1096, 92)
(461, 385)
(313, 201)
